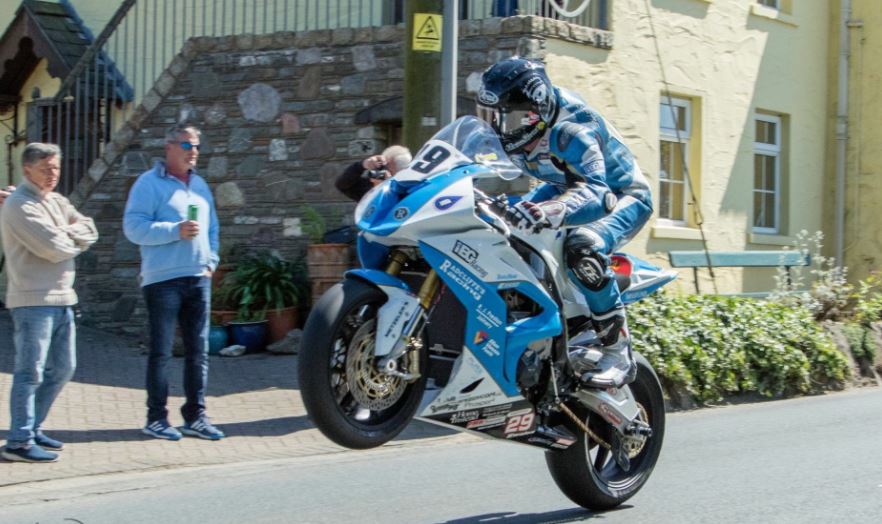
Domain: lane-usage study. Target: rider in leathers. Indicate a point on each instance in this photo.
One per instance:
(591, 183)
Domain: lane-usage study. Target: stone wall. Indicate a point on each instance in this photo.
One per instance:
(277, 116)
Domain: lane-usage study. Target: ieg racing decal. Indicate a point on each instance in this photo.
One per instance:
(401, 213)
(470, 256)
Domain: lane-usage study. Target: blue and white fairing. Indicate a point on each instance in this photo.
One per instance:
(431, 206)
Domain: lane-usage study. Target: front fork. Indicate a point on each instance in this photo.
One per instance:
(411, 336)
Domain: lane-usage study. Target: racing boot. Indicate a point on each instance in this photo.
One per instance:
(617, 366)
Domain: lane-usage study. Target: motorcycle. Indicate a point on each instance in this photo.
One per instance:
(459, 320)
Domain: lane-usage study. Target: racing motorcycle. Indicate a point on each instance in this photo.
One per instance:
(457, 319)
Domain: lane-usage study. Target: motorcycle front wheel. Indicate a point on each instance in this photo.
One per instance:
(586, 472)
(346, 396)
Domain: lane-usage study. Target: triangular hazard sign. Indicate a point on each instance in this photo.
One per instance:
(428, 31)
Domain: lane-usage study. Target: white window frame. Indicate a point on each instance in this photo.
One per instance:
(669, 134)
(774, 150)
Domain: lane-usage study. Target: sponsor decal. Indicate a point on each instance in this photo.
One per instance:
(470, 256)
(496, 410)
(449, 406)
(463, 279)
(394, 324)
(487, 317)
(507, 285)
(486, 423)
(401, 213)
(488, 98)
(506, 276)
(519, 423)
(609, 414)
(480, 400)
(480, 338)
(446, 202)
(492, 348)
(536, 90)
(463, 416)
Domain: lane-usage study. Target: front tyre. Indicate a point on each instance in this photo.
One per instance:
(347, 398)
(587, 474)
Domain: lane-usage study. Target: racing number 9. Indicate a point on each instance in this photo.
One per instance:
(431, 160)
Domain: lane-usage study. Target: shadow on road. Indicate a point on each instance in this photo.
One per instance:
(551, 517)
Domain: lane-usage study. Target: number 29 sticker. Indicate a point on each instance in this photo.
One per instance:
(519, 423)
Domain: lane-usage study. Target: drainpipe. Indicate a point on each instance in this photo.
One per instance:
(842, 129)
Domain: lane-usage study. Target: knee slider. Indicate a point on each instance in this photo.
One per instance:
(589, 266)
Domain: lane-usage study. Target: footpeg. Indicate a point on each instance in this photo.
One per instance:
(639, 428)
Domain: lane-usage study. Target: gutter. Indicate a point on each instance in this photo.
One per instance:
(842, 128)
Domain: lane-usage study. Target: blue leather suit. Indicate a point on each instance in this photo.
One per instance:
(583, 162)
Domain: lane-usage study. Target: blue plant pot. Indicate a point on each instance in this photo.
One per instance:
(252, 335)
(218, 336)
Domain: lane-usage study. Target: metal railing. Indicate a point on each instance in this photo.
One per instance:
(143, 36)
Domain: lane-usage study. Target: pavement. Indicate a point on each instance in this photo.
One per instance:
(254, 399)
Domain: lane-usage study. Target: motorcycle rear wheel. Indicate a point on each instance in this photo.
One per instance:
(588, 475)
(336, 355)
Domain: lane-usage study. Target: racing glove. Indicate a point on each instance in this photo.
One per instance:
(534, 217)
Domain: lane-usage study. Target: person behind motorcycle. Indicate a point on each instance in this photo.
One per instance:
(590, 183)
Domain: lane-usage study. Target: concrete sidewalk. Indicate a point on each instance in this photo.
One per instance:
(99, 414)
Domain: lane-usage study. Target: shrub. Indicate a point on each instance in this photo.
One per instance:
(861, 340)
(716, 346)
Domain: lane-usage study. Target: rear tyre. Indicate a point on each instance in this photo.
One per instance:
(587, 474)
(345, 396)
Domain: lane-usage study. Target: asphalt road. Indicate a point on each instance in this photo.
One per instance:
(800, 461)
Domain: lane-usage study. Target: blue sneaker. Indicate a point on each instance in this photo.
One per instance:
(161, 429)
(34, 454)
(202, 428)
(48, 442)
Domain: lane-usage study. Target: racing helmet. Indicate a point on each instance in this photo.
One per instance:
(517, 99)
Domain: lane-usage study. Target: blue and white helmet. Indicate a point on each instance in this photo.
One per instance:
(517, 99)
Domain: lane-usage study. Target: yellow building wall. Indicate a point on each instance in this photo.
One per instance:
(732, 59)
(863, 192)
(48, 85)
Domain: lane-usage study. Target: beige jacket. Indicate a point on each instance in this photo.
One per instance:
(41, 236)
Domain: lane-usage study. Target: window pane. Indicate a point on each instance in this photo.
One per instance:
(675, 119)
(677, 196)
(665, 160)
(664, 200)
(678, 173)
(770, 210)
(765, 132)
(768, 3)
(759, 215)
(758, 172)
(770, 173)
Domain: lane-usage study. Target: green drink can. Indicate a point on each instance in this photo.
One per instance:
(192, 212)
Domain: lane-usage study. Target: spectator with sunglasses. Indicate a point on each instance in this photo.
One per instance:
(170, 214)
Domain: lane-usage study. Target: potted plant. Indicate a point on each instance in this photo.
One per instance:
(264, 286)
(326, 262)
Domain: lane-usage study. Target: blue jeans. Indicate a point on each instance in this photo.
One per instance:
(184, 301)
(45, 359)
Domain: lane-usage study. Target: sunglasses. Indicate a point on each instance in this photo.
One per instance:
(187, 146)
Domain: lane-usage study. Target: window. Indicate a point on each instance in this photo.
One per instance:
(767, 175)
(769, 3)
(675, 117)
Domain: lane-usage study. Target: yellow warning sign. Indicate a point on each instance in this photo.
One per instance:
(427, 32)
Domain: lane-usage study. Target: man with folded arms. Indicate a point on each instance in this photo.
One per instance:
(42, 233)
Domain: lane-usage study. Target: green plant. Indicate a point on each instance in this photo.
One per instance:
(715, 346)
(860, 340)
(868, 300)
(264, 281)
(313, 224)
